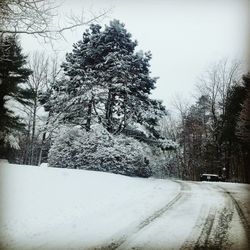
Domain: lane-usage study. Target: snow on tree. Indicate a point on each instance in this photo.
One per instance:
(13, 74)
(108, 83)
(99, 150)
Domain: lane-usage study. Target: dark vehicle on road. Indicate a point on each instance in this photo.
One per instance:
(210, 177)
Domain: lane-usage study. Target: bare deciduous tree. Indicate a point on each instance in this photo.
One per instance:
(216, 82)
(45, 72)
(37, 17)
(55, 71)
(182, 105)
(37, 81)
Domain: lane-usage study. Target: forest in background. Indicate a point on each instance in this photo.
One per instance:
(95, 111)
(213, 132)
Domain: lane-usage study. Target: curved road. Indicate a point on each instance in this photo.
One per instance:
(201, 216)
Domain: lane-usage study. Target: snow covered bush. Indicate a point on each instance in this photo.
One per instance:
(99, 150)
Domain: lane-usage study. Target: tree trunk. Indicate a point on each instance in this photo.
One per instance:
(89, 113)
(43, 141)
(33, 132)
(109, 113)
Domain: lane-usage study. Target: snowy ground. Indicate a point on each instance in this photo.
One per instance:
(48, 208)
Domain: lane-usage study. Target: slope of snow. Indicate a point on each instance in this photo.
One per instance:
(49, 208)
(64, 208)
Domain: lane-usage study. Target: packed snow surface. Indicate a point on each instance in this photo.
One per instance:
(51, 208)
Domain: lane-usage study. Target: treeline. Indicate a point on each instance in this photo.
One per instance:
(214, 132)
(95, 111)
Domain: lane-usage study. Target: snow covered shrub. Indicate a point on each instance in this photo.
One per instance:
(63, 153)
(99, 150)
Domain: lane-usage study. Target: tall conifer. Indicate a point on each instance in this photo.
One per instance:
(12, 74)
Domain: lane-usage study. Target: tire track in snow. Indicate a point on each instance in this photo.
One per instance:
(216, 225)
(157, 214)
(210, 229)
(203, 239)
(200, 235)
(160, 212)
(239, 211)
(241, 214)
(220, 234)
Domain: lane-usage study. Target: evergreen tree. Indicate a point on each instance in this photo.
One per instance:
(244, 128)
(12, 74)
(107, 82)
(234, 102)
(244, 119)
(229, 141)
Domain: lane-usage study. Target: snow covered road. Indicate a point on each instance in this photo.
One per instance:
(48, 208)
(200, 216)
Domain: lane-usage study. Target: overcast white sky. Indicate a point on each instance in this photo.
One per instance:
(184, 36)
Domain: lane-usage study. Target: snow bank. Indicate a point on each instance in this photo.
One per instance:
(48, 208)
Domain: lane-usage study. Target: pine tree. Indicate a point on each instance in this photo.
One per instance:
(12, 74)
(244, 127)
(232, 150)
(107, 82)
(244, 119)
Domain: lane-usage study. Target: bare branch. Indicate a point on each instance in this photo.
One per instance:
(36, 17)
